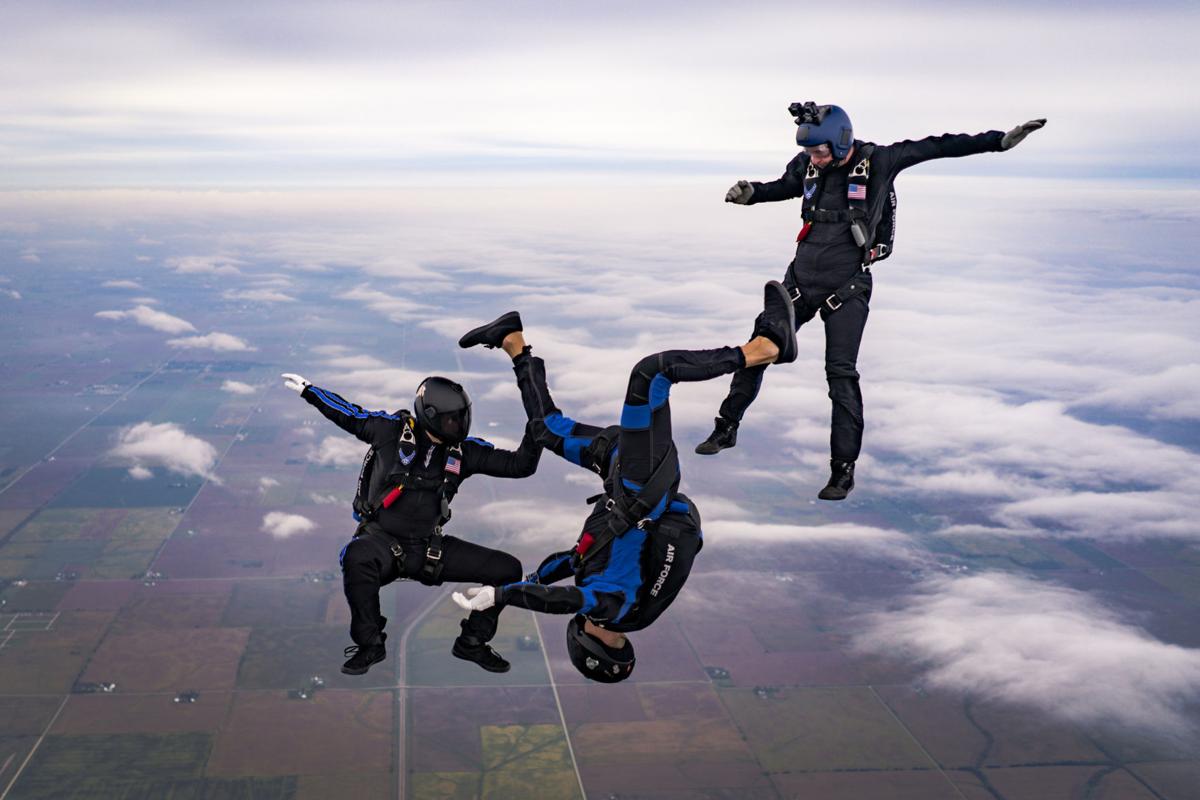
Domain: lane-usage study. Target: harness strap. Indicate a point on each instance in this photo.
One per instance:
(851, 289)
(626, 512)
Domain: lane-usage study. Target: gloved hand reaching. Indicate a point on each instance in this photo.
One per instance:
(1014, 137)
(740, 193)
(294, 382)
(481, 598)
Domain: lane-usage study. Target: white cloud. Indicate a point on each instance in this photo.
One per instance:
(266, 482)
(205, 265)
(30, 256)
(221, 342)
(150, 318)
(12, 293)
(338, 451)
(282, 525)
(1045, 647)
(237, 387)
(123, 284)
(139, 473)
(167, 445)
(258, 296)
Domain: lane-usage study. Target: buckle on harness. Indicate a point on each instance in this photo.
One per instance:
(433, 553)
(795, 293)
(829, 301)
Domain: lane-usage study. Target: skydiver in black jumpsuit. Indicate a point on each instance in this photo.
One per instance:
(639, 541)
(830, 273)
(413, 469)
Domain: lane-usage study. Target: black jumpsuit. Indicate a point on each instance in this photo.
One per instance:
(367, 561)
(827, 259)
(630, 581)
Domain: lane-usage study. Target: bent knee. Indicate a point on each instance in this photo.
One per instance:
(509, 570)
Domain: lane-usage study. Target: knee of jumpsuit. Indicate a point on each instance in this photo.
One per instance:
(360, 563)
(838, 368)
(642, 374)
(509, 570)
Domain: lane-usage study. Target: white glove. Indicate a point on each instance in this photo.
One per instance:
(481, 598)
(294, 382)
(740, 193)
(1014, 137)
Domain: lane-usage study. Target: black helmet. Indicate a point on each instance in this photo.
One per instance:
(443, 408)
(593, 658)
(823, 125)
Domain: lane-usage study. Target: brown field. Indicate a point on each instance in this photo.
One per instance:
(176, 605)
(165, 660)
(26, 716)
(1174, 780)
(88, 595)
(333, 732)
(1035, 783)
(280, 603)
(322, 787)
(41, 483)
(911, 785)
(938, 722)
(822, 729)
(595, 702)
(156, 713)
(47, 662)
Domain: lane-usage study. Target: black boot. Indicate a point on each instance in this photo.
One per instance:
(361, 658)
(778, 321)
(841, 481)
(493, 333)
(471, 648)
(724, 435)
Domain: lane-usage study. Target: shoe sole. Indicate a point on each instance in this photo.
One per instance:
(466, 341)
(454, 652)
(363, 671)
(787, 353)
(709, 451)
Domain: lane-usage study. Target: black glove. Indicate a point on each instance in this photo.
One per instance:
(1014, 137)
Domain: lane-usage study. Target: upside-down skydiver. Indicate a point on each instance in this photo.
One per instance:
(849, 213)
(639, 541)
(411, 472)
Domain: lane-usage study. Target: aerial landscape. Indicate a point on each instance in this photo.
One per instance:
(1007, 607)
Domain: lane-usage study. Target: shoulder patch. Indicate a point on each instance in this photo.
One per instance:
(478, 441)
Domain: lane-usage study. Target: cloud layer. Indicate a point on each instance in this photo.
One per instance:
(1052, 649)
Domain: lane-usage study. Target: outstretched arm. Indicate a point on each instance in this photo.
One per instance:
(367, 426)
(950, 145)
(787, 186)
(598, 600)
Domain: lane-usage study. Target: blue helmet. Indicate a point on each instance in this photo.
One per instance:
(823, 125)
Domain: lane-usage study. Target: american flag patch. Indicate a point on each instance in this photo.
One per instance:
(453, 465)
(857, 191)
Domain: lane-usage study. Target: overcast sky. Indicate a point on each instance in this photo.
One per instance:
(284, 93)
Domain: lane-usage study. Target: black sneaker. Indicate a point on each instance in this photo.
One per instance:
(724, 435)
(779, 321)
(361, 658)
(492, 334)
(469, 649)
(841, 481)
